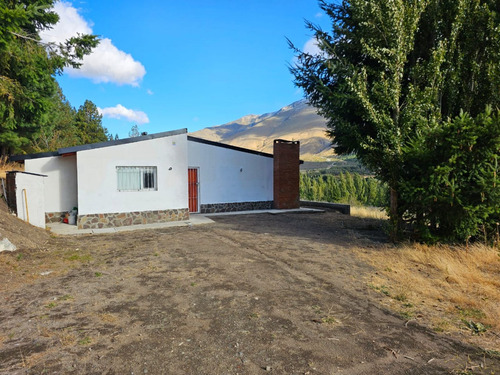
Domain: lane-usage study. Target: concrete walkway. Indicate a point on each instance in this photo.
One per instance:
(194, 219)
(66, 229)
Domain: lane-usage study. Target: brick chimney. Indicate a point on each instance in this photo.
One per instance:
(286, 174)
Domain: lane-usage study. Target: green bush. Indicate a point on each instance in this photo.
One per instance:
(451, 190)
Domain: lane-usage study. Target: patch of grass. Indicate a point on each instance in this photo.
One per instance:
(401, 297)
(369, 212)
(51, 305)
(98, 274)
(19, 256)
(382, 289)
(329, 320)
(407, 315)
(85, 341)
(65, 337)
(441, 278)
(471, 313)
(108, 318)
(476, 328)
(317, 309)
(442, 326)
(66, 297)
(193, 284)
(254, 315)
(79, 257)
(492, 353)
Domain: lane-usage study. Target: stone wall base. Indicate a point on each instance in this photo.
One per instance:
(237, 206)
(110, 220)
(54, 217)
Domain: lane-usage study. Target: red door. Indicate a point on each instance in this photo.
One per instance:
(193, 189)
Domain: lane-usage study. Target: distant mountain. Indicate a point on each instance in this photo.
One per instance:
(296, 122)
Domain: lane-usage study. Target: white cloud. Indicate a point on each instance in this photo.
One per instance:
(311, 47)
(120, 112)
(106, 63)
(150, 92)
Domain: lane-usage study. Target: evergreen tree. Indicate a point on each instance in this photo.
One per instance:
(134, 131)
(88, 123)
(392, 72)
(28, 69)
(452, 186)
(58, 127)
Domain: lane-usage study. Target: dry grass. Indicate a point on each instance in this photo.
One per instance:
(6, 165)
(369, 212)
(451, 289)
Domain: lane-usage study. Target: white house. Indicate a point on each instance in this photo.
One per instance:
(152, 178)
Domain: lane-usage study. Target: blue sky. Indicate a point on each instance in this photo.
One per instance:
(169, 64)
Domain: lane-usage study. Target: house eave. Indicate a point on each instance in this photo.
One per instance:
(67, 151)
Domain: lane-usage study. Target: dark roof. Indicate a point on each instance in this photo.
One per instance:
(30, 173)
(33, 156)
(236, 148)
(91, 146)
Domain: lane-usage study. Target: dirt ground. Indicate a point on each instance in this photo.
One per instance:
(249, 294)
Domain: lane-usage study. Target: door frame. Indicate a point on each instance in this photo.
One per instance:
(197, 190)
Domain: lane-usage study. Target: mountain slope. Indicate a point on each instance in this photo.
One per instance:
(298, 122)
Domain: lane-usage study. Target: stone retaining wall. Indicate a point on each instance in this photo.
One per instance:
(110, 220)
(342, 208)
(54, 217)
(237, 206)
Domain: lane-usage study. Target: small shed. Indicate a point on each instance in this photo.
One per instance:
(26, 196)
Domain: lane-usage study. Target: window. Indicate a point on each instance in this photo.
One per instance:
(136, 178)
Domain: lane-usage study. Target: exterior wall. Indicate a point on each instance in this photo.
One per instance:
(96, 221)
(286, 174)
(232, 207)
(30, 198)
(97, 178)
(230, 176)
(61, 193)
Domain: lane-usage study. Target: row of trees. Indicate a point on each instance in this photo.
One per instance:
(34, 114)
(66, 127)
(412, 87)
(344, 188)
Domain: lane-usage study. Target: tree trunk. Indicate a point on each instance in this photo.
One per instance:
(394, 216)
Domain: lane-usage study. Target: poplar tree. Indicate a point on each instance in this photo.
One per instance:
(391, 72)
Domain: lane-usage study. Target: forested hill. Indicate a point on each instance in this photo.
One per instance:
(298, 122)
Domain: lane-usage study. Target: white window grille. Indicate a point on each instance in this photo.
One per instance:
(136, 178)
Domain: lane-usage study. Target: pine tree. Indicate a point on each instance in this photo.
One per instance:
(28, 69)
(88, 123)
